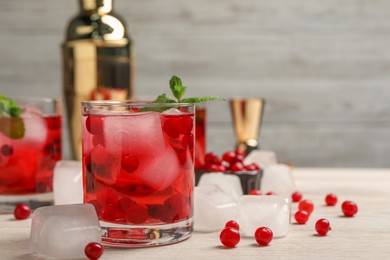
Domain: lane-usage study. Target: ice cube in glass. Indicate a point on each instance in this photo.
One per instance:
(67, 183)
(271, 211)
(64, 231)
(212, 208)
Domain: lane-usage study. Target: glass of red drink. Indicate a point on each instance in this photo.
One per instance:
(138, 170)
(200, 135)
(27, 161)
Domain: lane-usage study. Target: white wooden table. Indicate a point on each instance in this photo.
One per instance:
(365, 236)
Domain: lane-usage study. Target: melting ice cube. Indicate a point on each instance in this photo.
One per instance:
(172, 111)
(230, 184)
(212, 208)
(261, 158)
(67, 183)
(36, 129)
(264, 211)
(64, 231)
(278, 178)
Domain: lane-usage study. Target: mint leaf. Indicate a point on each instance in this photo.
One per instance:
(10, 122)
(164, 98)
(201, 99)
(177, 87)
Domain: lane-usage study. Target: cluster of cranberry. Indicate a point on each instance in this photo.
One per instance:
(306, 207)
(232, 161)
(230, 235)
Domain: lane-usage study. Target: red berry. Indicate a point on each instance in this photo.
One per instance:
(349, 208)
(170, 127)
(255, 192)
(228, 156)
(301, 216)
(211, 158)
(136, 214)
(94, 125)
(263, 236)
(322, 226)
(236, 166)
(129, 163)
(93, 250)
(306, 205)
(232, 224)
(22, 211)
(296, 196)
(331, 199)
(229, 237)
(252, 167)
(216, 168)
(7, 150)
(271, 193)
(240, 155)
(98, 154)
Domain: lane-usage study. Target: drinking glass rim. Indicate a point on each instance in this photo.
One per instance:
(119, 103)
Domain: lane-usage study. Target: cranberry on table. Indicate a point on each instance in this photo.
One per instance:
(296, 196)
(301, 216)
(322, 226)
(93, 250)
(263, 236)
(255, 192)
(232, 224)
(229, 237)
(306, 205)
(22, 211)
(331, 199)
(271, 193)
(349, 208)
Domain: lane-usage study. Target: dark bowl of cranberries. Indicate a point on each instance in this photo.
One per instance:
(231, 162)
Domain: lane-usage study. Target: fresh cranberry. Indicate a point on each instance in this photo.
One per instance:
(349, 208)
(301, 216)
(255, 192)
(296, 196)
(93, 250)
(98, 140)
(22, 211)
(229, 237)
(129, 163)
(263, 236)
(252, 167)
(124, 203)
(271, 193)
(170, 127)
(228, 156)
(136, 214)
(7, 150)
(216, 168)
(94, 125)
(322, 226)
(232, 224)
(237, 166)
(239, 154)
(161, 212)
(331, 199)
(212, 158)
(306, 205)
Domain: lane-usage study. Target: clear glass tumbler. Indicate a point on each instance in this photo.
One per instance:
(28, 157)
(138, 170)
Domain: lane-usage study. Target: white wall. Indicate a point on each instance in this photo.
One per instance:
(322, 66)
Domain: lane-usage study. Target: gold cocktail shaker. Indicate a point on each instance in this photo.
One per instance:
(247, 115)
(97, 62)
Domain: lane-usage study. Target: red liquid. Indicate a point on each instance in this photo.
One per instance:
(26, 164)
(200, 137)
(138, 168)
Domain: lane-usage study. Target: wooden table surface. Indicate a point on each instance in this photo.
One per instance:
(365, 236)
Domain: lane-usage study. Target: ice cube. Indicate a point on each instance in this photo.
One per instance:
(278, 178)
(36, 129)
(212, 208)
(141, 135)
(64, 231)
(264, 211)
(230, 184)
(261, 158)
(173, 111)
(67, 183)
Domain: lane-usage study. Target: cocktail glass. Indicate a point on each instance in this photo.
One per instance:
(200, 135)
(27, 161)
(138, 170)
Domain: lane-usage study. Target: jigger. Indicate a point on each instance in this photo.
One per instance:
(247, 114)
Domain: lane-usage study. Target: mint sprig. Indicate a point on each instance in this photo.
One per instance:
(11, 124)
(178, 91)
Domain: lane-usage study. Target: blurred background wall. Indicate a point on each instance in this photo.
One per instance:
(322, 66)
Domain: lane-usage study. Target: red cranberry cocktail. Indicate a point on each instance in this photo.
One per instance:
(138, 170)
(27, 160)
